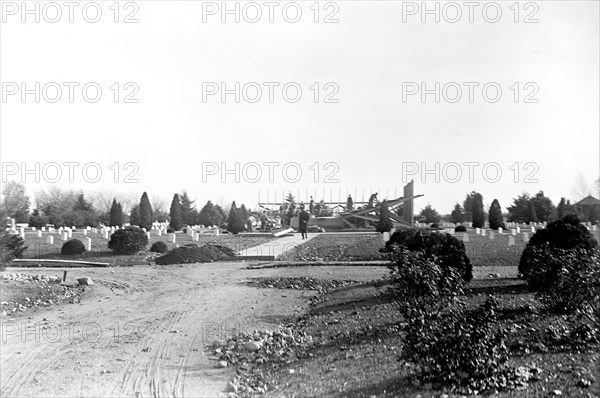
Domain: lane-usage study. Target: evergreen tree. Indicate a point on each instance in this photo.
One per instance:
(430, 215)
(189, 213)
(134, 215)
(145, 209)
(209, 215)
(543, 206)
(457, 216)
(175, 214)
(561, 209)
(468, 206)
(116, 214)
(223, 215)
(244, 213)
(349, 203)
(235, 224)
(532, 212)
(495, 215)
(477, 214)
(519, 211)
(384, 224)
(83, 213)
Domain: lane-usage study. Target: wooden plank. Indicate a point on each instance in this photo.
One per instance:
(287, 231)
(32, 260)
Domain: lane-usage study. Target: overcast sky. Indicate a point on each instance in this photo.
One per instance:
(370, 128)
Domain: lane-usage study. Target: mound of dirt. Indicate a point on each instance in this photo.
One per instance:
(194, 254)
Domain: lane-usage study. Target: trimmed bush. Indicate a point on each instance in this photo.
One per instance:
(566, 233)
(444, 249)
(159, 247)
(72, 247)
(170, 231)
(567, 281)
(128, 240)
(193, 254)
(460, 228)
(11, 247)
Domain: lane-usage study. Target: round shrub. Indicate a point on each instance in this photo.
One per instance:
(72, 247)
(435, 226)
(159, 247)
(446, 250)
(460, 228)
(128, 240)
(170, 231)
(567, 233)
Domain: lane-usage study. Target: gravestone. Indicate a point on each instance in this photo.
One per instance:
(525, 236)
(88, 244)
(39, 234)
(513, 232)
(511, 240)
(33, 228)
(43, 229)
(85, 232)
(518, 229)
(70, 233)
(13, 224)
(22, 234)
(491, 235)
(105, 234)
(172, 237)
(499, 231)
(532, 229)
(196, 236)
(478, 231)
(386, 236)
(483, 232)
(160, 232)
(50, 239)
(64, 236)
(465, 237)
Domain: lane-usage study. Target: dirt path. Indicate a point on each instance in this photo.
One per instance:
(140, 332)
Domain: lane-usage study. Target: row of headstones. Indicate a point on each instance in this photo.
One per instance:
(491, 234)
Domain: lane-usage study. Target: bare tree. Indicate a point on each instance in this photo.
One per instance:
(581, 188)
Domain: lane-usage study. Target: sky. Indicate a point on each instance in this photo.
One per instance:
(355, 96)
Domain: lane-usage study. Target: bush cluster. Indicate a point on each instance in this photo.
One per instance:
(446, 250)
(566, 233)
(460, 228)
(159, 247)
(457, 346)
(567, 281)
(72, 247)
(128, 240)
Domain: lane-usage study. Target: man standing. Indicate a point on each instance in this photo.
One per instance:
(303, 218)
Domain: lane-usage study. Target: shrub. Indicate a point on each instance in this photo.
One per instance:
(458, 346)
(419, 283)
(159, 247)
(72, 247)
(11, 247)
(193, 254)
(128, 240)
(566, 233)
(460, 228)
(444, 249)
(567, 281)
(434, 226)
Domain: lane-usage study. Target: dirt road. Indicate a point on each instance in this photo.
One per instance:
(138, 332)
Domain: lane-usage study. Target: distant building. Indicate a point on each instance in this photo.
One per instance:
(588, 209)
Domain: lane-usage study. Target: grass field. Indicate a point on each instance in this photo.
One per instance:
(38, 249)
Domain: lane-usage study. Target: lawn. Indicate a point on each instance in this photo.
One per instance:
(38, 249)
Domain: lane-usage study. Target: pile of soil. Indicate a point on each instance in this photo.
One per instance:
(193, 254)
(300, 283)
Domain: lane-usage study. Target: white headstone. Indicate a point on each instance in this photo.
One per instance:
(33, 228)
(532, 229)
(85, 232)
(500, 231)
(491, 235)
(216, 231)
(513, 232)
(105, 234)
(88, 244)
(483, 232)
(196, 236)
(386, 236)
(465, 237)
(39, 234)
(148, 235)
(172, 237)
(594, 228)
(511, 240)
(70, 233)
(43, 229)
(478, 231)
(518, 229)
(13, 224)
(50, 239)
(22, 233)
(160, 232)
(525, 236)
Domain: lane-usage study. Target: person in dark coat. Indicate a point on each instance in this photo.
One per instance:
(303, 218)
